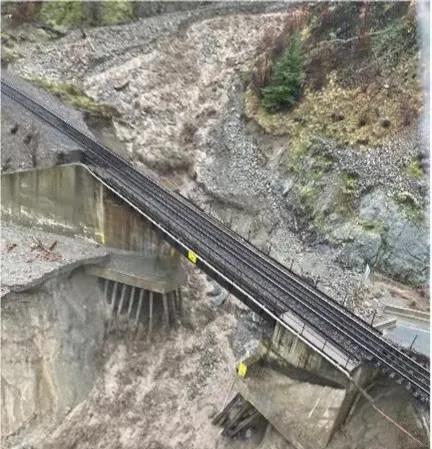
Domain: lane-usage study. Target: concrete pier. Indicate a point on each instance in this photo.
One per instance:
(297, 390)
(141, 292)
(135, 308)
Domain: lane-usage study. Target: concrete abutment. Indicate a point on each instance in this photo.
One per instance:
(67, 313)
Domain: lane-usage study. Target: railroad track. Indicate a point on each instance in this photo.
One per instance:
(261, 282)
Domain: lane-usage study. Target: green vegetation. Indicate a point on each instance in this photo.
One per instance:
(410, 206)
(358, 68)
(349, 183)
(76, 97)
(71, 14)
(62, 13)
(9, 54)
(115, 12)
(286, 82)
(415, 170)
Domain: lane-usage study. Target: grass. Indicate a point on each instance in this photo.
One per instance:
(63, 13)
(415, 170)
(76, 97)
(71, 14)
(359, 114)
(363, 97)
(410, 206)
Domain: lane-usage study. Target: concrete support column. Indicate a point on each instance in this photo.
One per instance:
(179, 301)
(131, 301)
(165, 309)
(172, 307)
(122, 298)
(113, 298)
(150, 327)
(106, 285)
(140, 301)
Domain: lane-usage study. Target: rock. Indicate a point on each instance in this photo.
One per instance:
(405, 249)
(24, 446)
(219, 300)
(120, 84)
(215, 292)
(364, 141)
(289, 184)
(248, 434)
(337, 116)
(385, 122)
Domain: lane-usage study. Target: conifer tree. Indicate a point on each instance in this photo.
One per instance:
(286, 82)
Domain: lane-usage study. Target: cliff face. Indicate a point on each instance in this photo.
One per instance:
(51, 343)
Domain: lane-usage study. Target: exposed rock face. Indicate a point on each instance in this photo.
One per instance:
(52, 337)
(388, 239)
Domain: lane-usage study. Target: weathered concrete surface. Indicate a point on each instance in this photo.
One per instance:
(287, 348)
(161, 275)
(298, 391)
(51, 340)
(25, 264)
(69, 200)
(303, 412)
(366, 428)
(314, 406)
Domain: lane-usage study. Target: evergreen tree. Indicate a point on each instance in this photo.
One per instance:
(286, 82)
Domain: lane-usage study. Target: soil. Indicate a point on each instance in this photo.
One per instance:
(162, 393)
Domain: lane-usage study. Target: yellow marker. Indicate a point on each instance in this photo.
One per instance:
(242, 369)
(193, 257)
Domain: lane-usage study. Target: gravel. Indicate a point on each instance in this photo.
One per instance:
(26, 264)
(39, 144)
(106, 47)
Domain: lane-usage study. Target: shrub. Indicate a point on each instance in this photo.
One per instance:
(286, 82)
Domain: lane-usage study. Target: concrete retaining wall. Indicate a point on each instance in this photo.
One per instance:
(291, 349)
(69, 200)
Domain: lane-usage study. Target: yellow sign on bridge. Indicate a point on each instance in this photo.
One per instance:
(193, 257)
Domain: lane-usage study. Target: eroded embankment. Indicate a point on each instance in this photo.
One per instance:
(52, 338)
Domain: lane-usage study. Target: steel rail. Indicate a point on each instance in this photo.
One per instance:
(355, 340)
(117, 158)
(121, 161)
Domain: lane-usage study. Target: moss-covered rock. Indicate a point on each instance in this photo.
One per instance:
(9, 51)
(9, 54)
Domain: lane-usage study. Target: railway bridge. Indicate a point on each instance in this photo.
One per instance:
(270, 289)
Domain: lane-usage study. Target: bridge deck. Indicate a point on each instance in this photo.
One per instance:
(258, 280)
